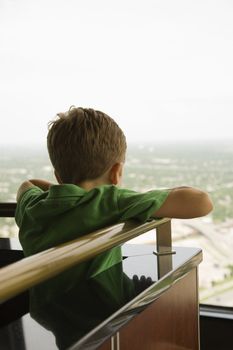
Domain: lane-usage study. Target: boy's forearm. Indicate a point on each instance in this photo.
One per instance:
(185, 203)
(43, 184)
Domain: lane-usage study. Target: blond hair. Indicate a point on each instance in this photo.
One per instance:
(83, 144)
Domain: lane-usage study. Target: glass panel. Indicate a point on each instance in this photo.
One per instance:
(65, 308)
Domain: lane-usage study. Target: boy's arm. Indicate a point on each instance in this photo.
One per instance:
(43, 184)
(185, 203)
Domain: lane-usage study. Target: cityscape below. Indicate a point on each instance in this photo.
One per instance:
(208, 166)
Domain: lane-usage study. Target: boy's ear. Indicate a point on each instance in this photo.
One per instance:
(57, 177)
(115, 174)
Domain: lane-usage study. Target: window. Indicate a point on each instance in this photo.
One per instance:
(163, 70)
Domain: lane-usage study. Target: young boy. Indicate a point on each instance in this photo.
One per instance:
(87, 149)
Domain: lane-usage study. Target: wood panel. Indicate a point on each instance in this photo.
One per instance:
(106, 345)
(169, 323)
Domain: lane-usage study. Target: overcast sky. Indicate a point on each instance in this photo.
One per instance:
(162, 69)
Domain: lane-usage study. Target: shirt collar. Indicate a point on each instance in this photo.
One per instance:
(66, 190)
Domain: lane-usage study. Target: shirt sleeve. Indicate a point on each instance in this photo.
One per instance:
(25, 200)
(140, 206)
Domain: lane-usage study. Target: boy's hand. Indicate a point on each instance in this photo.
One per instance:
(141, 283)
(43, 184)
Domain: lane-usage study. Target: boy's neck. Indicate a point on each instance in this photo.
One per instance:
(112, 176)
(90, 184)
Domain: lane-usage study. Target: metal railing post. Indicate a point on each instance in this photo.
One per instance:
(164, 248)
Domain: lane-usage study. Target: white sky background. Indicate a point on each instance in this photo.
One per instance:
(162, 69)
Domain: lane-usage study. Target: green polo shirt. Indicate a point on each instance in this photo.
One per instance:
(66, 212)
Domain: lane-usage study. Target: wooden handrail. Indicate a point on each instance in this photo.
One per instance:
(24, 274)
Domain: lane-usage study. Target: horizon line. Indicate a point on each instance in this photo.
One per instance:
(132, 142)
